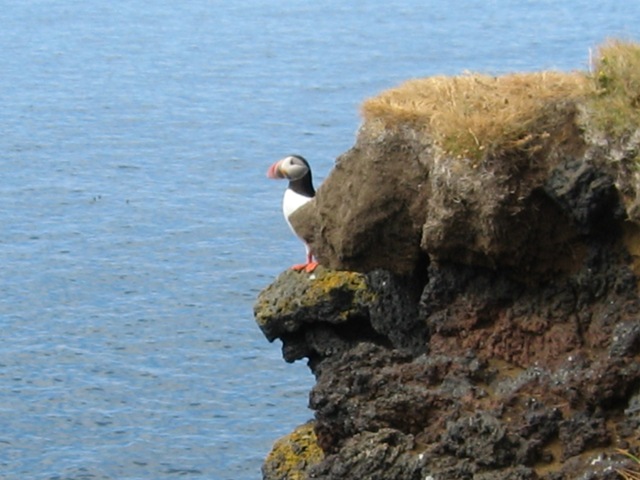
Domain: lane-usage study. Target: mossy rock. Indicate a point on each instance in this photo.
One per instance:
(293, 455)
(296, 298)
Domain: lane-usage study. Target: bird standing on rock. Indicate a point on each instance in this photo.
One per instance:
(300, 191)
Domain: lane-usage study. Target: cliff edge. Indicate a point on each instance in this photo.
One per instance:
(476, 315)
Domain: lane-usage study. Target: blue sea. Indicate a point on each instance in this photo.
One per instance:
(137, 225)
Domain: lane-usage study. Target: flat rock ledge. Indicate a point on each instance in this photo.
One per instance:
(473, 318)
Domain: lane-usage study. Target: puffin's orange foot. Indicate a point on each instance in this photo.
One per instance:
(311, 266)
(307, 267)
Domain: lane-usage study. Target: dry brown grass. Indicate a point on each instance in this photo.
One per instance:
(474, 115)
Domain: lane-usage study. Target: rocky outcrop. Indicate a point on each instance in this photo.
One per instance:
(475, 317)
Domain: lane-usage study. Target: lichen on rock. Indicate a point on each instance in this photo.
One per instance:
(334, 297)
(293, 455)
(477, 314)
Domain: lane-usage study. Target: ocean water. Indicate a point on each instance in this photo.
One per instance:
(137, 225)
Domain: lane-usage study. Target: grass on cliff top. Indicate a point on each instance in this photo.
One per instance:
(474, 115)
(615, 100)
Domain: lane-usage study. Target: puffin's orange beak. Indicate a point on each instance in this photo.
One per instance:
(274, 171)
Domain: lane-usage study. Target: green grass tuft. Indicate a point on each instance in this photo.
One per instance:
(627, 473)
(615, 103)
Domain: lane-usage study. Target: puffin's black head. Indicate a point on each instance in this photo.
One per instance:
(295, 169)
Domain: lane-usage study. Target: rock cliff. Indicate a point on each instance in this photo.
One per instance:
(476, 314)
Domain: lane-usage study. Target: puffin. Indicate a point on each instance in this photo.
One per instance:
(300, 191)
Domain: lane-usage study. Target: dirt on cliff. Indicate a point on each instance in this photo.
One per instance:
(476, 315)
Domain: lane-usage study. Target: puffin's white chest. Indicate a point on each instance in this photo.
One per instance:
(291, 202)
